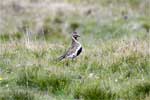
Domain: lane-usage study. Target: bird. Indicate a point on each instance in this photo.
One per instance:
(75, 49)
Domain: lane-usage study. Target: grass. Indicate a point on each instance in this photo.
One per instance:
(44, 80)
(114, 64)
(17, 95)
(86, 89)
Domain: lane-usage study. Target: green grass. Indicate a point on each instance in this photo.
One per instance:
(42, 79)
(16, 95)
(89, 89)
(114, 64)
(96, 74)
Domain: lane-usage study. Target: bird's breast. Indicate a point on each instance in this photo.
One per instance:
(79, 51)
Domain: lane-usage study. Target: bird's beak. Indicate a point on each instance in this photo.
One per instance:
(78, 35)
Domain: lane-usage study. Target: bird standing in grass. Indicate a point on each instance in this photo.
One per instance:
(75, 48)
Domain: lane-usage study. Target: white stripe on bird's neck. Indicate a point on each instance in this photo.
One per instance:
(74, 41)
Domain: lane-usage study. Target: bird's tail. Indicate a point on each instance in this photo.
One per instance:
(61, 58)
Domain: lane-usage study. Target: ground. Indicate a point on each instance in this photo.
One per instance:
(114, 64)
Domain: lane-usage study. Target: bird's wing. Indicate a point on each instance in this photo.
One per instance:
(69, 52)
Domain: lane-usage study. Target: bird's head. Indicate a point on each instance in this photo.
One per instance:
(75, 35)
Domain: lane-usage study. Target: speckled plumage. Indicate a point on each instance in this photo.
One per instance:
(75, 48)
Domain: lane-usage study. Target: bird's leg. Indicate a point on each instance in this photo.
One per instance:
(72, 59)
(75, 60)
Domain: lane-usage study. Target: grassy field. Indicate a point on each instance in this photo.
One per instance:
(114, 64)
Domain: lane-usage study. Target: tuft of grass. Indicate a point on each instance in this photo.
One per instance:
(145, 22)
(115, 29)
(4, 37)
(146, 26)
(141, 90)
(16, 95)
(37, 77)
(7, 37)
(134, 61)
(74, 25)
(91, 90)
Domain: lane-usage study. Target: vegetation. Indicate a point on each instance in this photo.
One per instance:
(114, 64)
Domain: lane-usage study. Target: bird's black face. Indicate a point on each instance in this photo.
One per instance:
(75, 35)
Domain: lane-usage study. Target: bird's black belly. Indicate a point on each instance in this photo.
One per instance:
(79, 51)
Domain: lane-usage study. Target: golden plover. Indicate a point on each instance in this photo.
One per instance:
(75, 48)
